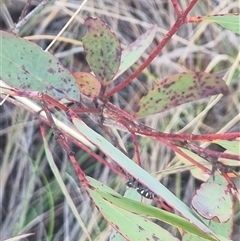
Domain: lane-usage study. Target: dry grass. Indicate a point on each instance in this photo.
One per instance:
(31, 200)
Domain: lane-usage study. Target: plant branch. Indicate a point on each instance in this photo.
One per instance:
(214, 153)
(177, 7)
(23, 21)
(209, 156)
(179, 22)
(181, 153)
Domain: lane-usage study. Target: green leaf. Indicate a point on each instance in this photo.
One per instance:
(131, 226)
(137, 172)
(228, 21)
(26, 66)
(190, 237)
(131, 194)
(63, 187)
(230, 145)
(103, 50)
(135, 50)
(179, 89)
(217, 204)
(222, 230)
(153, 212)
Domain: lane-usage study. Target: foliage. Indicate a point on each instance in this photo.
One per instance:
(33, 73)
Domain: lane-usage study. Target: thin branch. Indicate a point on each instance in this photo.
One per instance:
(23, 21)
(177, 7)
(25, 9)
(209, 156)
(179, 22)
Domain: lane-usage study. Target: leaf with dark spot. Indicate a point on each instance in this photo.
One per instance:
(103, 50)
(87, 83)
(26, 66)
(179, 89)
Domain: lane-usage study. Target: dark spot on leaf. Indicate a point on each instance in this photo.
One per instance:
(168, 85)
(51, 71)
(24, 69)
(190, 88)
(97, 208)
(155, 237)
(116, 227)
(224, 90)
(141, 228)
(65, 80)
(115, 196)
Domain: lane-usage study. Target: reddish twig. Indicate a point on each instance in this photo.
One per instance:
(179, 22)
(137, 153)
(211, 157)
(132, 126)
(216, 154)
(187, 157)
(137, 127)
(177, 7)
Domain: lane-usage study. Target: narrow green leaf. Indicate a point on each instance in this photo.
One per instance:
(131, 226)
(137, 172)
(26, 66)
(230, 145)
(190, 237)
(103, 50)
(153, 212)
(228, 21)
(134, 51)
(179, 89)
(63, 187)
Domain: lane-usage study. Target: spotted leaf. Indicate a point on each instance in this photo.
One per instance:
(26, 66)
(87, 83)
(103, 50)
(179, 89)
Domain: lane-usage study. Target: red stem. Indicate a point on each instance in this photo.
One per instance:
(80, 173)
(179, 22)
(180, 152)
(192, 137)
(217, 154)
(137, 153)
(177, 7)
